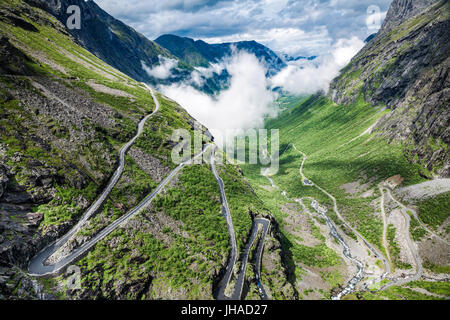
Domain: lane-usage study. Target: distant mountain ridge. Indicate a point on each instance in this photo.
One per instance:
(289, 58)
(198, 53)
(111, 40)
(132, 53)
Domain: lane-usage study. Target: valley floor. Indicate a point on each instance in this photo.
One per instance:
(335, 164)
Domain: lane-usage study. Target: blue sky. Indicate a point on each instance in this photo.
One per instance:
(296, 27)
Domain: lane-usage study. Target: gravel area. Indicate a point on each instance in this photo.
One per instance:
(424, 190)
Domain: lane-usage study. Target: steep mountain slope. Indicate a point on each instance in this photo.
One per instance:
(193, 52)
(111, 40)
(201, 54)
(64, 115)
(406, 68)
(353, 149)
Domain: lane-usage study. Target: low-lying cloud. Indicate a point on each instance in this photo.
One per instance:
(250, 96)
(163, 70)
(308, 77)
(243, 105)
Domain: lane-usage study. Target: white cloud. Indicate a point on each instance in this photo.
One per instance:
(200, 74)
(249, 97)
(292, 41)
(297, 27)
(311, 77)
(163, 70)
(243, 105)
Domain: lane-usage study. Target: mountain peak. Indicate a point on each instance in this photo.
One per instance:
(201, 53)
(402, 10)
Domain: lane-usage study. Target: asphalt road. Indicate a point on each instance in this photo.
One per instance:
(239, 283)
(38, 267)
(412, 248)
(375, 251)
(416, 216)
(259, 253)
(227, 215)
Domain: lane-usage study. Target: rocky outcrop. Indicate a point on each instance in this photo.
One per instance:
(403, 10)
(406, 68)
(12, 60)
(3, 180)
(108, 38)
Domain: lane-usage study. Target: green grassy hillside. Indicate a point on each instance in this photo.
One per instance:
(329, 135)
(64, 115)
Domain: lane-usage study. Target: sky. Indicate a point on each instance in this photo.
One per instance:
(333, 30)
(294, 27)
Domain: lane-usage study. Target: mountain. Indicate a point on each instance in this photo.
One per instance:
(111, 40)
(81, 145)
(200, 54)
(363, 171)
(132, 53)
(289, 58)
(405, 68)
(351, 214)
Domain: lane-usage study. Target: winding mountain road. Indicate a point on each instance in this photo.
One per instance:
(38, 267)
(259, 253)
(227, 215)
(239, 283)
(412, 248)
(333, 230)
(375, 251)
(383, 215)
(416, 216)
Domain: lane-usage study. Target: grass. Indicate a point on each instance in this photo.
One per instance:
(191, 259)
(435, 211)
(436, 268)
(326, 133)
(185, 262)
(440, 288)
(394, 249)
(406, 292)
(322, 130)
(416, 230)
(397, 293)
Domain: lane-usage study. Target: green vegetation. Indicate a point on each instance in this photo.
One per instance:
(196, 202)
(397, 293)
(242, 202)
(434, 291)
(416, 230)
(333, 278)
(440, 288)
(328, 133)
(185, 260)
(191, 257)
(435, 211)
(435, 268)
(156, 138)
(324, 132)
(394, 249)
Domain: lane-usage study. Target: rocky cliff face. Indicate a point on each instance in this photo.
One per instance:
(406, 68)
(64, 115)
(403, 10)
(108, 38)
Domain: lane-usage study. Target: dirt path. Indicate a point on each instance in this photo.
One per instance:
(413, 250)
(416, 216)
